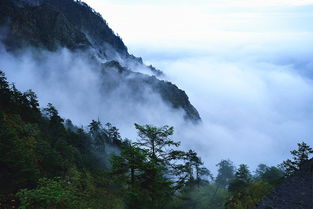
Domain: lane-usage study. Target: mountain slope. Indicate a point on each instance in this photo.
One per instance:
(51, 24)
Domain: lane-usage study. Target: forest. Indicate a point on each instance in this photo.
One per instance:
(47, 162)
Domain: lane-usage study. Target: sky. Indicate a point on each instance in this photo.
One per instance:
(245, 64)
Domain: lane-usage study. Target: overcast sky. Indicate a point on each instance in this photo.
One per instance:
(245, 64)
(199, 22)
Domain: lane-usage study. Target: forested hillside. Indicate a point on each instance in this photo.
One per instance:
(47, 162)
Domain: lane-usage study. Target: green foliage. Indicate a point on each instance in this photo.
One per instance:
(37, 145)
(299, 156)
(48, 163)
(241, 180)
(155, 141)
(249, 196)
(18, 163)
(226, 173)
(142, 167)
(50, 193)
(271, 175)
(203, 196)
(148, 170)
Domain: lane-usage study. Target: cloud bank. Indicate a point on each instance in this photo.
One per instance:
(246, 65)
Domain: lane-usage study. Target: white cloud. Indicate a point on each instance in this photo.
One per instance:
(245, 64)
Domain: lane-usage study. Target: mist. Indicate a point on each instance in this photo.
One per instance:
(251, 83)
(253, 111)
(246, 66)
(74, 83)
(255, 102)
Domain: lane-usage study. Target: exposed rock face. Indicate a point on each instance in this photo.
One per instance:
(169, 92)
(50, 24)
(296, 192)
(39, 26)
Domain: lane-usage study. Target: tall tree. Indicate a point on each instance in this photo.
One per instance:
(242, 179)
(299, 156)
(98, 135)
(195, 167)
(157, 142)
(113, 134)
(226, 173)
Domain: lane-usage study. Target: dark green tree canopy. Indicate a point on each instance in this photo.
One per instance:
(226, 173)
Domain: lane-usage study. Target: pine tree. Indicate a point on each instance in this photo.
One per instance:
(299, 156)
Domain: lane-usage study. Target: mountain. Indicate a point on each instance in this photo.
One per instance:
(296, 192)
(53, 24)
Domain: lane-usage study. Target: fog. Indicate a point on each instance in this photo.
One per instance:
(246, 66)
(74, 84)
(248, 73)
(253, 110)
(255, 101)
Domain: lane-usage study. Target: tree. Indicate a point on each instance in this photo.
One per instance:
(145, 185)
(52, 113)
(50, 193)
(149, 167)
(249, 196)
(3, 81)
(156, 141)
(261, 169)
(5, 94)
(18, 163)
(129, 164)
(299, 156)
(272, 176)
(243, 173)
(226, 173)
(96, 132)
(242, 178)
(113, 134)
(194, 167)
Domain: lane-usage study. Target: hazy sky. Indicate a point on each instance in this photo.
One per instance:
(179, 23)
(247, 66)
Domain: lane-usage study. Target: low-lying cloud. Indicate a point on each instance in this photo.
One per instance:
(255, 106)
(75, 84)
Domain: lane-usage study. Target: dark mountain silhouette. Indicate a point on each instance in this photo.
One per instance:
(51, 24)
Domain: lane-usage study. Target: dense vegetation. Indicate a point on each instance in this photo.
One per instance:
(47, 162)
